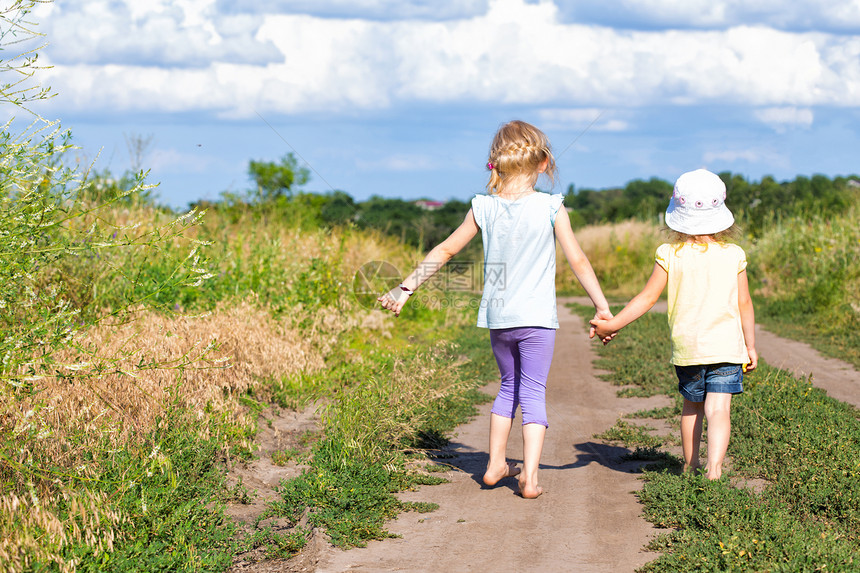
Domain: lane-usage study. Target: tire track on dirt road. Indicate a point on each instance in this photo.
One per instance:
(585, 521)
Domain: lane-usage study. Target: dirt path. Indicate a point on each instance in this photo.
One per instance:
(586, 521)
(838, 378)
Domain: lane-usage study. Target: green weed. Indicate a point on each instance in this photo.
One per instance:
(660, 461)
(405, 399)
(717, 527)
(804, 444)
(434, 468)
(282, 457)
(664, 412)
(807, 282)
(170, 493)
(277, 545)
(631, 435)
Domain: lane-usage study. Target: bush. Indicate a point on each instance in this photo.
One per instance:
(807, 281)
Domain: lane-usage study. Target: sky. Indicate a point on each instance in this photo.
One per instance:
(401, 98)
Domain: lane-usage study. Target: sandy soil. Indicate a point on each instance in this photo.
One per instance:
(587, 520)
(837, 377)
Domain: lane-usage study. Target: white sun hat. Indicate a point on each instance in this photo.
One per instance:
(698, 204)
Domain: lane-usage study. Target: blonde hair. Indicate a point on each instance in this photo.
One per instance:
(678, 238)
(518, 150)
(733, 233)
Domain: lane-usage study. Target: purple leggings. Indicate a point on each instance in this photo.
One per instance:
(524, 356)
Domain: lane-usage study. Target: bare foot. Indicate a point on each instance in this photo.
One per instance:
(530, 491)
(492, 477)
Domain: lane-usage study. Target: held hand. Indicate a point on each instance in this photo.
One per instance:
(600, 328)
(603, 315)
(394, 300)
(606, 335)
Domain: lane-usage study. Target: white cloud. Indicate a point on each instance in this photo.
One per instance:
(581, 118)
(781, 118)
(398, 162)
(833, 15)
(182, 33)
(364, 9)
(185, 56)
(752, 156)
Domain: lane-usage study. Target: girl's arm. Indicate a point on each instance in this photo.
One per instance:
(441, 254)
(747, 318)
(639, 305)
(579, 264)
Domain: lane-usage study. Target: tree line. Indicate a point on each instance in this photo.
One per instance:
(280, 186)
(755, 204)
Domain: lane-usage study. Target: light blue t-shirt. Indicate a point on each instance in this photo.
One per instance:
(519, 260)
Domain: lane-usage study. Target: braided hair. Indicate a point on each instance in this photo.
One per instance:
(518, 150)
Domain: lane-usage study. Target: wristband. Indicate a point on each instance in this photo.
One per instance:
(406, 289)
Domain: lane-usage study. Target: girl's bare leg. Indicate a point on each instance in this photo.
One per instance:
(533, 436)
(691, 433)
(498, 466)
(717, 411)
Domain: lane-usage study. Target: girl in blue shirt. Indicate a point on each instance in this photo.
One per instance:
(519, 227)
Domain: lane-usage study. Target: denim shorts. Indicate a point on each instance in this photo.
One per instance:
(694, 382)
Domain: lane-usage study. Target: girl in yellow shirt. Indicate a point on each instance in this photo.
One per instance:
(711, 314)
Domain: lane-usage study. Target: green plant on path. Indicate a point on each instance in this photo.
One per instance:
(408, 400)
(802, 446)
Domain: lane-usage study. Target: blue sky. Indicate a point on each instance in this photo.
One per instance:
(401, 98)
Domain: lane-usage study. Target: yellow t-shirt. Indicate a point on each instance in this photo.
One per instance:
(704, 316)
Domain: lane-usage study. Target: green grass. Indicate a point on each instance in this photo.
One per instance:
(350, 498)
(803, 446)
(390, 407)
(631, 435)
(171, 491)
(807, 282)
(717, 527)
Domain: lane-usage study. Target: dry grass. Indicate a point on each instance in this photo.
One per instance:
(622, 255)
(109, 397)
(121, 378)
(33, 534)
(291, 248)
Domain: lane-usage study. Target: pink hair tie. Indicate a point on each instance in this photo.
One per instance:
(490, 165)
